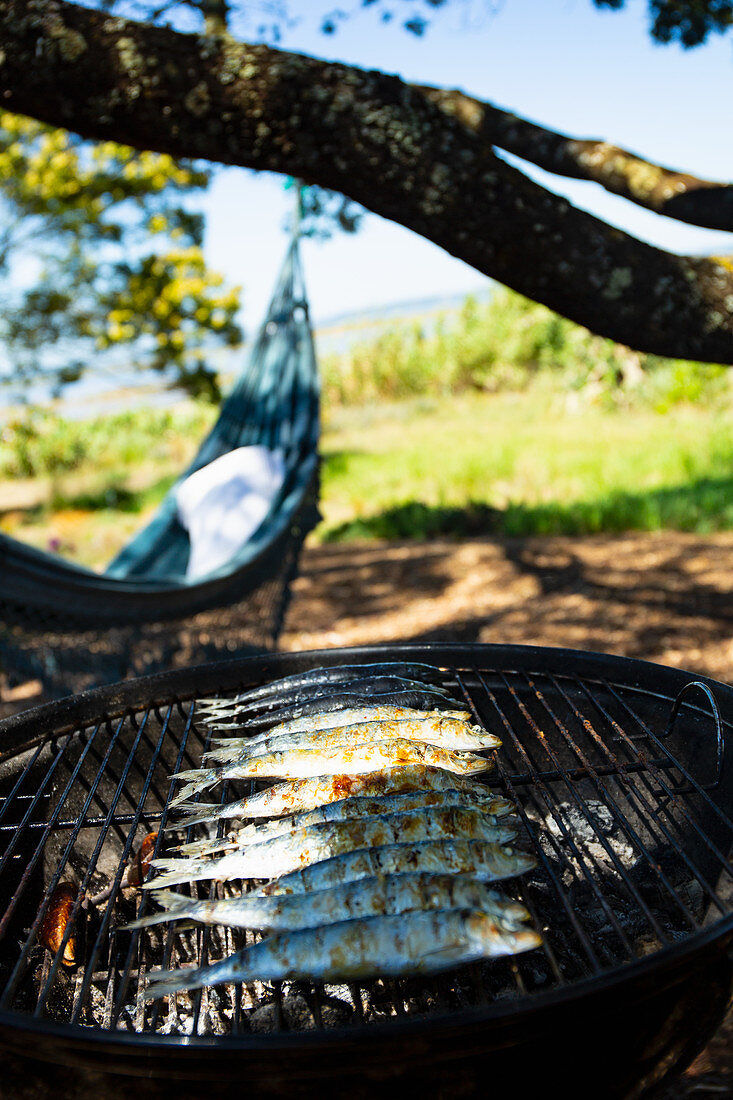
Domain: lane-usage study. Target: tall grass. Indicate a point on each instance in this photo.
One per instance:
(39, 443)
(504, 344)
(522, 464)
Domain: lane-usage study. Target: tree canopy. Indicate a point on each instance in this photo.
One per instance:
(115, 258)
(688, 22)
(424, 157)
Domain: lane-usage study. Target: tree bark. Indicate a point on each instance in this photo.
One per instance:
(372, 137)
(678, 195)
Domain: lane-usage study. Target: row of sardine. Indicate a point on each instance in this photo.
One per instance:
(375, 895)
(379, 846)
(303, 795)
(319, 683)
(449, 743)
(492, 805)
(351, 758)
(434, 728)
(321, 691)
(312, 843)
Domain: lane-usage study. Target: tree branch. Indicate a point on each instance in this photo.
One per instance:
(371, 137)
(666, 191)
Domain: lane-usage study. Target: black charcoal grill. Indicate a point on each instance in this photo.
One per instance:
(622, 774)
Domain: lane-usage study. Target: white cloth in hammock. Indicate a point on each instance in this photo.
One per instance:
(222, 504)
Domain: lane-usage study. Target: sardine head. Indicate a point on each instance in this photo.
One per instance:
(483, 930)
(512, 861)
(470, 763)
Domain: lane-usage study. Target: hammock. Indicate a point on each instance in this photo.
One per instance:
(73, 628)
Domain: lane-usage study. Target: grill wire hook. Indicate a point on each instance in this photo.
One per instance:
(700, 686)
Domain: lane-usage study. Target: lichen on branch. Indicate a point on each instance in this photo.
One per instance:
(675, 194)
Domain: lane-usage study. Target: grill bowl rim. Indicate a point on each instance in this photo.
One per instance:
(165, 688)
(181, 685)
(662, 964)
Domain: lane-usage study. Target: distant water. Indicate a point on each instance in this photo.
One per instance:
(403, 310)
(97, 394)
(343, 331)
(93, 395)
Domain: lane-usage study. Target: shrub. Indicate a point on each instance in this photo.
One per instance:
(502, 344)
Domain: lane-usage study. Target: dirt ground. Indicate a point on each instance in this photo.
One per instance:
(665, 598)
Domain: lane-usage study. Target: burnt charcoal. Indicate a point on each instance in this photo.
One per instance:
(299, 1015)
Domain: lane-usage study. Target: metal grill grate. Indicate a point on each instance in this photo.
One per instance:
(618, 771)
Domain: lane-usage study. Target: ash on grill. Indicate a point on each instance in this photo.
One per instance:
(586, 851)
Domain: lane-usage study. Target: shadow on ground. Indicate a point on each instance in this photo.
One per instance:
(663, 597)
(702, 505)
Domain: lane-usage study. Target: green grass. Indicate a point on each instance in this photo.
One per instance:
(93, 483)
(505, 344)
(522, 464)
(527, 463)
(113, 499)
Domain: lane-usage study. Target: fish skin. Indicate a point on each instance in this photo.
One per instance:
(501, 831)
(368, 712)
(304, 846)
(365, 897)
(484, 861)
(415, 700)
(297, 696)
(447, 733)
(493, 806)
(415, 670)
(353, 759)
(354, 950)
(347, 810)
(364, 714)
(301, 795)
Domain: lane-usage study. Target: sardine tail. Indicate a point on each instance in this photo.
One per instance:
(172, 872)
(224, 755)
(196, 813)
(202, 780)
(175, 981)
(172, 903)
(205, 847)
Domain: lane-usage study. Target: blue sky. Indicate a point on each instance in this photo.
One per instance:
(563, 63)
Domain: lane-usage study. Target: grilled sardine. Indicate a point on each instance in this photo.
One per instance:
(301, 795)
(486, 862)
(447, 733)
(493, 806)
(426, 674)
(353, 950)
(367, 897)
(342, 709)
(353, 759)
(304, 846)
(298, 696)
